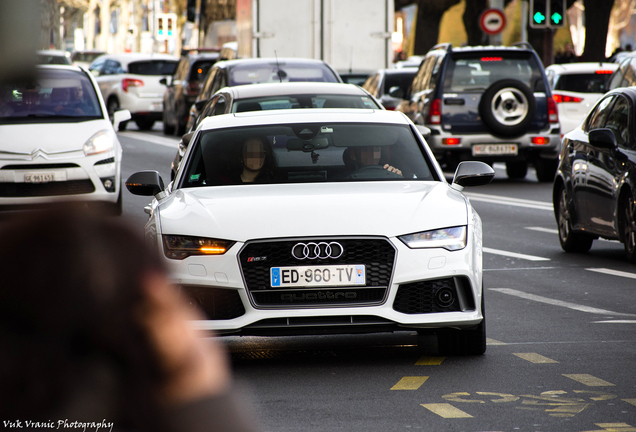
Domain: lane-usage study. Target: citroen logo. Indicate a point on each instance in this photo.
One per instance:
(322, 250)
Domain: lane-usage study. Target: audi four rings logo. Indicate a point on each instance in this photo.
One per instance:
(322, 250)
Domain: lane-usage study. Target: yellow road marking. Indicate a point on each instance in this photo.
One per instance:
(630, 401)
(446, 410)
(588, 380)
(410, 383)
(535, 358)
(615, 427)
(494, 342)
(429, 361)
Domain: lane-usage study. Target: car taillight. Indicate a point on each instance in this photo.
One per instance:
(539, 140)
(553, 114)
(451, 141)
(559, 98)
(130, 82)
(390, 108)
(192, 89)
(435, 113)
(604, 72)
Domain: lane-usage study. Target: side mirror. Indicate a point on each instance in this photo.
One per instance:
(145, 183)
(426, 132)
(603, 138)
(119, 117)
(200, 104)
(187, 138)
(396, 92)
(471, 173)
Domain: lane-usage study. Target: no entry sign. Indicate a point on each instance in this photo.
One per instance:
(492, 21)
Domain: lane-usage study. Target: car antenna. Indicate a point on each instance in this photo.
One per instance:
(351, 60)
(278, 67)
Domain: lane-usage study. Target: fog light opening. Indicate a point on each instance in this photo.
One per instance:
(445, 297)
(109, 184)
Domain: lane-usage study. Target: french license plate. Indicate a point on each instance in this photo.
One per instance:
(495, 149)
(317, 276)
(44, 177)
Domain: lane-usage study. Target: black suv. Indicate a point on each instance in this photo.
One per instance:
(183, 88)
(488, 103)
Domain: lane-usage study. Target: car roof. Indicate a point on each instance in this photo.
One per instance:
(400, 71)
(288, 88)
(268, 60)
(585, 67)
(59, 66)
(327, 115)
(126, 58)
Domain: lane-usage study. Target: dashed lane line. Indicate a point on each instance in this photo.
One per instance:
(429, 361)
(410, 383)
(613, 272)
(588, 380)
(545, 230)
(164, 141)
(446, 410)
(516, 202)
(630, 401)
(514, 255)
(560, 303)
(614, 427)
(534, 358)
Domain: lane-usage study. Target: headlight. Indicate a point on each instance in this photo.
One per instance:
(180, 247)
(101, 142)
(451, 239)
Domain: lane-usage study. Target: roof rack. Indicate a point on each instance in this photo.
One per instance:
(523, 45)
(445, 46)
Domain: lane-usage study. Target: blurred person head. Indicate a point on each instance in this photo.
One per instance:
(257, 159)
(81, 325)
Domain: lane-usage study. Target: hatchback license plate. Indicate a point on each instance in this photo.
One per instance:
(317, 276)
(495, 149)
(44, 177)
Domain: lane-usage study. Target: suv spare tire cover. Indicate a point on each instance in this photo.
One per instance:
(507, 107)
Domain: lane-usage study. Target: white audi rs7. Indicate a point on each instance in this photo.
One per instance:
(304, 222)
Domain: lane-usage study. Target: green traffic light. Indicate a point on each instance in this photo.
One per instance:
(539, 17)
(556, 18)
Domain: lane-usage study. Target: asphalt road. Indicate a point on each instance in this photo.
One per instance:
(561, 343)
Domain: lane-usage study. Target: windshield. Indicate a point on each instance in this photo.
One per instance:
(283, 72)
(55, 96)
(306, 153)
(153, 67)
(303, 101)
(583, 83)
(479, 71)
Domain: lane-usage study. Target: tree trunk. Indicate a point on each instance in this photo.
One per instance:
(429, 15)
(473, 10)
(597, 14)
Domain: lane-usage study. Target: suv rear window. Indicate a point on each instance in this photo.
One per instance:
(583, 83)
(153, 67)
(200, 69)
(402, 80)
(479, 70)
(283, 72)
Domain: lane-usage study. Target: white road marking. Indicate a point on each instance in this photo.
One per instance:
(613, 272)
(615, 322)
(560, 303)
(545, 230)
(517, 202)
(514, 255)
(155, 139)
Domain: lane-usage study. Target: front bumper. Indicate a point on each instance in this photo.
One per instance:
(401, 295)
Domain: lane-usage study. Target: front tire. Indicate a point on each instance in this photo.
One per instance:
(464, 342)
(571, 241)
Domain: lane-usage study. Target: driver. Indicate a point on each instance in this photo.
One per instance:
(368, 156)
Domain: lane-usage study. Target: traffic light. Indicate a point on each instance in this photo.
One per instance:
(539, 13)
(161, 33)
(557, 13)
(170, 27)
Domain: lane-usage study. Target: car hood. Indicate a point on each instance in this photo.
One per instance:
(242, 213)
(49, 138)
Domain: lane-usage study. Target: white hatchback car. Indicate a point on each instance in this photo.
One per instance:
(58, 143)
(576, 87)
(132, 81)
(322, 221)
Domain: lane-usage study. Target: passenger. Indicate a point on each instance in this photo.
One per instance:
(96, 334)
(78, 103)
(257, 161)
(367, 158)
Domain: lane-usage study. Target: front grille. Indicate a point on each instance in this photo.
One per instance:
(72, 187)
(377, 254)
(440, 295)
(40, 166)
(216, 303)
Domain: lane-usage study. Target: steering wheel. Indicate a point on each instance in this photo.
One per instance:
(373, 172)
